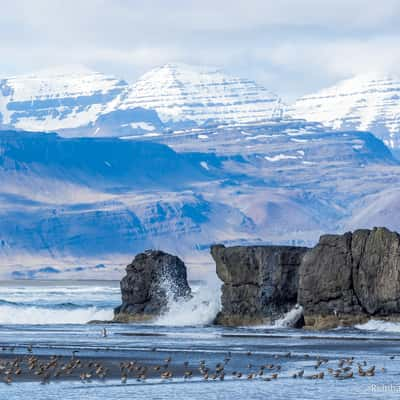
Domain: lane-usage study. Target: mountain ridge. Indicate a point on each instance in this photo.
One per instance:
(77, 101)
(67, 101)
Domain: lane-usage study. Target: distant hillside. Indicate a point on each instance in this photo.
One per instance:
(90, 201)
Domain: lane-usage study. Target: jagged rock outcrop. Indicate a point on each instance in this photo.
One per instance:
(259, 282)
(350, 278)
(152, 280)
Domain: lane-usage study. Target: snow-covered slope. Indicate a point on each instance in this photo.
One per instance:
(179, 92)
(80, 102)
(55, 99)
(369, 102)
(75, 101)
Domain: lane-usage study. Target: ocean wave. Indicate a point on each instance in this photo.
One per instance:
(379, 326)
(55, 306)
(73, 304)
(289, 318)
(200, 310)
(10, 314)
(29, 289)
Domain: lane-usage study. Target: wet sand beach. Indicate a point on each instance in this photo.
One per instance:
(260, 357)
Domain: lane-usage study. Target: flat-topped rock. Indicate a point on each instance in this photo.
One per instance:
(152, 280)
(260, 283)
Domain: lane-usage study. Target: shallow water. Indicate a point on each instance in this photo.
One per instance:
(279, 389)
(184, 334)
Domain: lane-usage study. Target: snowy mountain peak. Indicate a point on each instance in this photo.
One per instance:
(182, 92)
(172, 72)
(56, 99)
(365, 102)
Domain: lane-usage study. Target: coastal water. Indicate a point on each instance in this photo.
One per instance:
(57, 302)
(51, 317)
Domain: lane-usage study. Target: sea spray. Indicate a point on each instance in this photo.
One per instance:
(287, 320)
(291, 318)
(198, 309)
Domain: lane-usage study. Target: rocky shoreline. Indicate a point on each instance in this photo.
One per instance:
(344, 280)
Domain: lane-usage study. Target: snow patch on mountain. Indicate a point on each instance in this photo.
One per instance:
(280, 157)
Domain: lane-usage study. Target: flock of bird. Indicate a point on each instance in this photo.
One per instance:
(33, 367)
(45, 369)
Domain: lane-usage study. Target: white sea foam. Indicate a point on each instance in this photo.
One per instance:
(42, 316)
(286, 321)
(289, 318)
(201, 309)
(380, 326)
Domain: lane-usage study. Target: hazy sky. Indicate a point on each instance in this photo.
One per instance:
(291, 46)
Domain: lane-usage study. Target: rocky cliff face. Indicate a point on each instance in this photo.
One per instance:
(152, 280)
(259, 282)
(344, 280)
(350, 278)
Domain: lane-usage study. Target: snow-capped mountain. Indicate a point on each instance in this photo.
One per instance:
(180, 92)
(80, 102)
(253, 178)
(76, 101)
(57, 99)
(369, 102)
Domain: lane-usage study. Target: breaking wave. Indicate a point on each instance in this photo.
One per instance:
(45, 303)
(10, 314)
(289, 318)
(199, 310)
(379, 326)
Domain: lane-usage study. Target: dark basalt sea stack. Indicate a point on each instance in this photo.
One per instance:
(152, 279)
(260, 283)
(348, 279)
